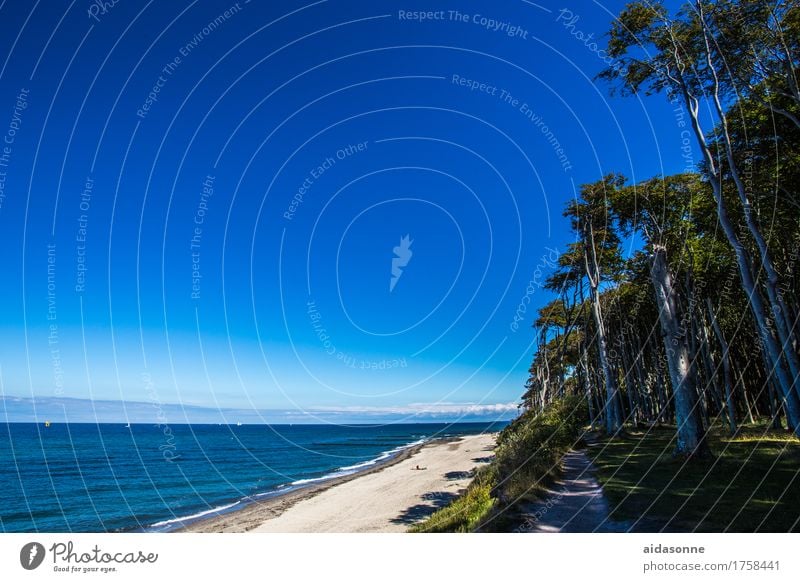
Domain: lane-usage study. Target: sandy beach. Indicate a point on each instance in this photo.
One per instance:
(388, 498)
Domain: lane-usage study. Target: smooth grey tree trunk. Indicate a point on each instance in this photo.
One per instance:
(778, 310)
(691, 434)
(588, 386)
(726, 367)
(773, 351)
(613, 410)
(663, 401)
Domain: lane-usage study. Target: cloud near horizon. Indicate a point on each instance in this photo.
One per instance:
(440, 408)
(39, 409)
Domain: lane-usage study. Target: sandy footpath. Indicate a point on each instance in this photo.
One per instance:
(387, 499)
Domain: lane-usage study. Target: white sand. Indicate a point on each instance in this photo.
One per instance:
(391, 499)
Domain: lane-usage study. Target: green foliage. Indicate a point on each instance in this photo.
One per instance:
(530, 449)
(737, 60)
(465, 513)
(528, 453)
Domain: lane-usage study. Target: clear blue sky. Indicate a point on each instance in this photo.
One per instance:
(226, 145)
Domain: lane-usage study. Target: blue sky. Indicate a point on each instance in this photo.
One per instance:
(205, 197)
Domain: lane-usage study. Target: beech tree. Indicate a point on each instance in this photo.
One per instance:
(594, 258)
(658, 211)
(675, 56)
(698, 325)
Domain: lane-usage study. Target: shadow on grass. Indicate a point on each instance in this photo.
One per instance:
(750, 484)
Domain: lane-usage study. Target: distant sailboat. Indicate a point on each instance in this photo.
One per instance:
(47, 424)
(128, 425)
(238, 424)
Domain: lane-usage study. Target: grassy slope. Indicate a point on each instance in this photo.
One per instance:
(752, 482)
(527, 455)
(465, 513)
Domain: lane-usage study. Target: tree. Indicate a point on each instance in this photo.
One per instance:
(675, 56)
(659, 210)
(596, 250)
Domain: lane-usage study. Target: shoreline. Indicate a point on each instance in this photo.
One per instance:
(259, 512)
(276, 504)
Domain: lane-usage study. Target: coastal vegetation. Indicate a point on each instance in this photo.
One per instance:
(675, 315)
(699, 323)
(526, 459)
(466, 512)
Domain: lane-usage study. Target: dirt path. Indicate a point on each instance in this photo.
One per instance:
(575, 503)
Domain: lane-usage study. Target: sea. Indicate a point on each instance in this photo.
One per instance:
(141, 478)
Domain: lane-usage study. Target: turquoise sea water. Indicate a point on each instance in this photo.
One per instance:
(110, 477)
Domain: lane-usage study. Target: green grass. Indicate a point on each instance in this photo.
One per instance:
(527, 455)
(751, 482)
(529, 450)
(465, 513)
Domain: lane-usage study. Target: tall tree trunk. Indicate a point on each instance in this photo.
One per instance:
(773, 350)
(644, 397)
(584, 373)
(726, 367)
(626, 378)
(775, 408)
(691, 435)
(701, 384)
(633, 387)
(778, 310)
(613, 409)
(711, 382)
(740, 387)
(663, 401)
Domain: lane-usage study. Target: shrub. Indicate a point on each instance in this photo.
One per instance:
(528, 453)
(465, 513)
(529, 450)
